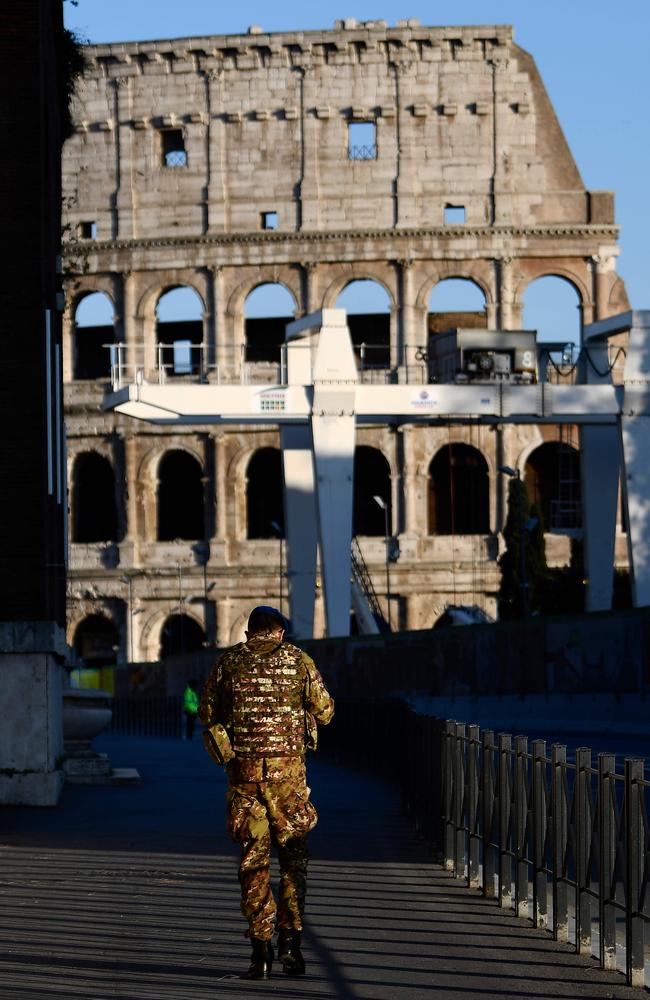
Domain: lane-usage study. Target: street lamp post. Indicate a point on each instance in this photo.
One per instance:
(278, 530)
(384, 506)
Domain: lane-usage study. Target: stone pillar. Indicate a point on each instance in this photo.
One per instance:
(601, 267)
(31, 736)
(311, 298)
(309, 209)
(223, 349)
(413, 335)
(505, 294)
(131, 489)
(220, 473)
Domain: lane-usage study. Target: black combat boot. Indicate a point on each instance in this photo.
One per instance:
(289, 953)
(261, 961)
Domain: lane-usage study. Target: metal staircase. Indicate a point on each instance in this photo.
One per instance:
(370, 618)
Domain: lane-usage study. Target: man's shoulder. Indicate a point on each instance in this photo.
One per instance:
(230, 657)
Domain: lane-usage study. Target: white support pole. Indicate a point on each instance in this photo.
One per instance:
(333, 439)
(635, 441)
(599, 472)
(300, 526)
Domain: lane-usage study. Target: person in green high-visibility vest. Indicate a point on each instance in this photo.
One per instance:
(190, 707)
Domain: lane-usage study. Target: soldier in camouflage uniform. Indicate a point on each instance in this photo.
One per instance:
(261, 705)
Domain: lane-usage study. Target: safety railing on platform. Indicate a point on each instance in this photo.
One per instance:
(561, 841)
(147, 716)
(559, 838)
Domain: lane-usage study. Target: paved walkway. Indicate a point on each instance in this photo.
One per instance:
(131, 893)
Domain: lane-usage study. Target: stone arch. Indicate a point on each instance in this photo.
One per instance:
(180, 633)
(96, 640)
(264, 494)
(369, 325)
(90, 358)
(458, 490)
(371, 478)
(277, 276)
(183, 335)
(552, 478)
(552, 270)
(180, 501)
(153, 291)
(454, 273)
(356, 272)
(264, 334)
(94, 509)
(549, 315)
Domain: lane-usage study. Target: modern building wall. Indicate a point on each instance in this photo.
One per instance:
(32, 497)
(224, 163)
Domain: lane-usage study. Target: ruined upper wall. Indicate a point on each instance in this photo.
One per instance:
(461, 116)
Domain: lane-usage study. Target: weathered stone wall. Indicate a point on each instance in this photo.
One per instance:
(462, 119)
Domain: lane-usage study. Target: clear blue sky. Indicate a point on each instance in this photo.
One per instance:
(593, 57)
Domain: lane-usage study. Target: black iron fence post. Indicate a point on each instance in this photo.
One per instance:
(634, 872)
(559, 819)
(520, 838)
(460, 848)
(488, 792)
(505, 856)
(473, 813)
(449, 770)
(583, 838)
(607, 857)
(540, 833)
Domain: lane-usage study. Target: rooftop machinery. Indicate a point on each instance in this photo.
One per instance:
(319, 398)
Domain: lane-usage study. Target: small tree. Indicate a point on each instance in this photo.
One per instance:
(520, 530)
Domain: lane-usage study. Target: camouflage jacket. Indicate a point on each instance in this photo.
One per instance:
(268, 696)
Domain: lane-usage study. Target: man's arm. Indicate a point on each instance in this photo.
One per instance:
(318, 701)
(211, 709)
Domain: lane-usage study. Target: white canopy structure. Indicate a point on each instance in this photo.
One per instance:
(319, 398)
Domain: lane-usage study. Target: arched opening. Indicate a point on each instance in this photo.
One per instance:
(267, 310)
(371, 479)
(96, 641)
(368, 307)
(264, 495)
(180, 634)
(94, 508)
(459, 493)
(93, 328)
(180, 497)
(552, 307)
(456, 303)
(552, 478)
(179, 330)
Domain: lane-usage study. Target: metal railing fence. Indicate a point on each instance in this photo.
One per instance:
(560, 841)
(147, 716)
(564, 841)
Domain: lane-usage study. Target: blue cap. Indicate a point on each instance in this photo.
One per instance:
(264, 617)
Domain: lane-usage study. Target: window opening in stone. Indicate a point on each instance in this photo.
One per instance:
(456, 303)
(552, 477)
(172, 144)
(180, 498)
(179, 331)
(181, 634)
(87, 230)
(454, 215)
(269, 220)
(552, 307)
(94, 506)
(267, 310)
(96, 641)
(264, 495)
(93, 328)
(459, 492)
(367, 304)
(371, 479)
(362, 141)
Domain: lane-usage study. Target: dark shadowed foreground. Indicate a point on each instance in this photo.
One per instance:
(131, 893)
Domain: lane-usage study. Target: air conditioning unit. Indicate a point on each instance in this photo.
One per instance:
(482, 356)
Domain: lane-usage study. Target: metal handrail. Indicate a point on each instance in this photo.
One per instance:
(520, 824)
(361, 575)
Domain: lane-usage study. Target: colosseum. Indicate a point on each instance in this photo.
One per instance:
(214, 189)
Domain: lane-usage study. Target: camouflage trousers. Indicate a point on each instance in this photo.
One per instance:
(259, 814)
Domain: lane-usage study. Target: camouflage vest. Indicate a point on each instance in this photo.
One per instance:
(268, 715)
